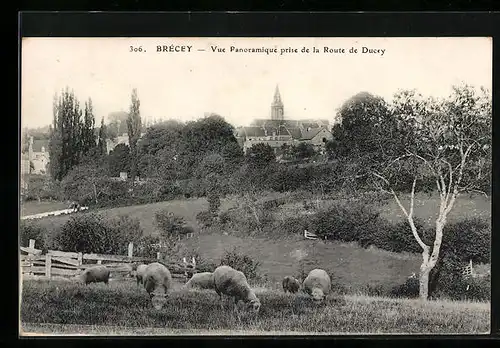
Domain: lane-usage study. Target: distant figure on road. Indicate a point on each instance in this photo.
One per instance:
(75, 206)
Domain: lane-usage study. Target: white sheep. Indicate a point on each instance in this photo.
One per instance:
(233, 283)
(157, 282)
(204, 280)
(94, 274)
(317, 284)
(290, 284)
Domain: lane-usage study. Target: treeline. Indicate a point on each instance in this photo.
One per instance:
(203, 158)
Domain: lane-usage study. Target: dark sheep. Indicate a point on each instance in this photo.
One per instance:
(290, 284)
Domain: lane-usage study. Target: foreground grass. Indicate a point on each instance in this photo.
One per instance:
(126, 309)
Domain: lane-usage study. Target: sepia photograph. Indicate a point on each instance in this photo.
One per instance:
(173, 186)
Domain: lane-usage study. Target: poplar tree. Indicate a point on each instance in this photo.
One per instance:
(88, 136)
(103, 136)
(134, 126)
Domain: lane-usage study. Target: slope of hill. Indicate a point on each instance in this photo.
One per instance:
(353, 268)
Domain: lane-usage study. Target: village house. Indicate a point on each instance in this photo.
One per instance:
(36, 160)
(277, 131)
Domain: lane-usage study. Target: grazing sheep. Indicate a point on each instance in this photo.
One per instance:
(204, 280)
(95, 274)
(233, 283)
(317, 284)
(139, 273)
(157, 281)
(290, 284)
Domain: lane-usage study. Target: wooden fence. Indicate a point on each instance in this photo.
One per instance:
(70, 264)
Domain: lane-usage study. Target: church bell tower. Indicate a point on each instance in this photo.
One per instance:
(277, 106)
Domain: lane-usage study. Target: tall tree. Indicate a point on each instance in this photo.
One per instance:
(65, 142)
(134, 126)
(88, 136)
(55, 143)
(103, 137)
(447, 142)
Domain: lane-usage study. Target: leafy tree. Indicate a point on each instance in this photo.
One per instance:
(86, 182)
(446, 142)
(260, 155)
(119, 160)
(302, 151)
(159, 149)
(211, 134)
(134, 126)
(365, 120)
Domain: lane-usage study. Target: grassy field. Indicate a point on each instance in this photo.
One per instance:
(425, 208)
(123, 308)
(352, 267)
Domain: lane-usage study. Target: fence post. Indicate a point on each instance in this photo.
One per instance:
(130, 249)
(48, 265)
(80, 262)
(158, 255)
(31, 245)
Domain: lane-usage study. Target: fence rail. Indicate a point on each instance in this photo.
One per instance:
(70, 264)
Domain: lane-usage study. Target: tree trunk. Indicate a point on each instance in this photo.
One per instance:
(425, 270)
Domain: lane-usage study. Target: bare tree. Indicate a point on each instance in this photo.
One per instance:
(446, 142)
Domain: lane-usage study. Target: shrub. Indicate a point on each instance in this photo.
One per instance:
(348, 222)
(213, 202)
(129, 229)
(170, 225)
(224, 217)
(91, 233)
(31, 230)
(469, 239)
(205, 218)
(399, 237)
(409, 289)
(242, 263)
(147, 246)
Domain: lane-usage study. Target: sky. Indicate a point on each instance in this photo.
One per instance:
(240, 85)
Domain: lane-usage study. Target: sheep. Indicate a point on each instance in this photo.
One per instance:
(290, 284)
(94, 274)
(317, 284)
(157, 281)
(139, 273)
(233, 283)
(204, 280)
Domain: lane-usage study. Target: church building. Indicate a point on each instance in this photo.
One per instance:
(278, 131)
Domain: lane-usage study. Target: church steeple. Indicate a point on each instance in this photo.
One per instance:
(277, 106)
